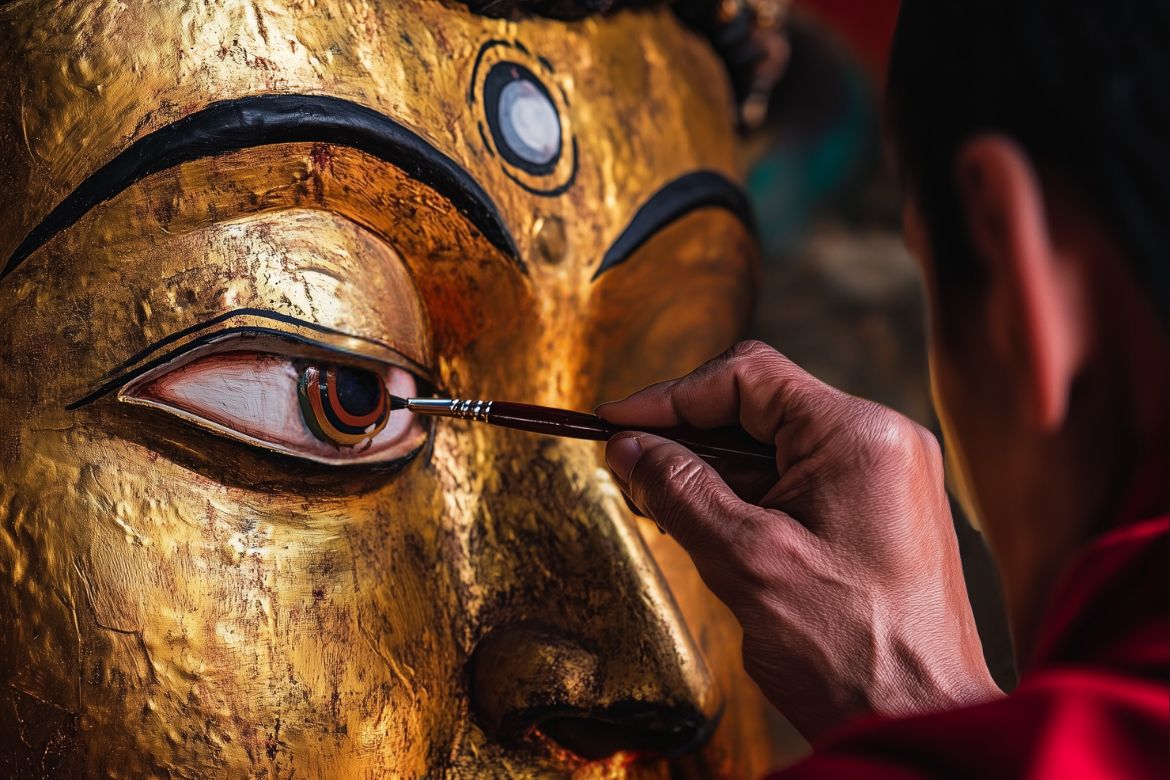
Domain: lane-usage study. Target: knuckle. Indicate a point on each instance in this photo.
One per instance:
(751, 352)
(891, 435)
(760, 367)
(931, 449)
(890, 439)
(667, 465)
(748, 347)
(686, 474)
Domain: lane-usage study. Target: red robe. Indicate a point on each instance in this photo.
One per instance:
(1094, 702)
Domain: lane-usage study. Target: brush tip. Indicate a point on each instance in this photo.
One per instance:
(397, 403)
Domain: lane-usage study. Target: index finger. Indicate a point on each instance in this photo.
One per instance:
(751, 385)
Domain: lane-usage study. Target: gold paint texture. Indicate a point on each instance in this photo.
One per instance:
(173, 604)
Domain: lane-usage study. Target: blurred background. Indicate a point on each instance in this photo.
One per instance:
(839, 293)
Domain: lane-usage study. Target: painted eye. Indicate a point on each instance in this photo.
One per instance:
(522, 118)
(304, 407)
(342, 405)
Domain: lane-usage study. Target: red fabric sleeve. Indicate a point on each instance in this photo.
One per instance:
(1095, 704)
(1061, 725)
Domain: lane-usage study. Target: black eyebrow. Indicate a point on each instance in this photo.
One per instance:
(676, 199)
(261, 120)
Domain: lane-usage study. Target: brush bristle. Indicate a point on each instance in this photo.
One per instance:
(397, 403)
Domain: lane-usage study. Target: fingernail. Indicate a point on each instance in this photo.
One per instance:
(614, 402)
(597, 409)
(621, 455)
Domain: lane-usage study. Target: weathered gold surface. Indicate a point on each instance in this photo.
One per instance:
(174, 604)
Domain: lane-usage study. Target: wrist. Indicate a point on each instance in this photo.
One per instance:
(918, 689)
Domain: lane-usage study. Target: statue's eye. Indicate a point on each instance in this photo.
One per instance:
(522, 118)
(309, 408)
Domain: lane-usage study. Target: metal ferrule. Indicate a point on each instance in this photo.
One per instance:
(451, 407)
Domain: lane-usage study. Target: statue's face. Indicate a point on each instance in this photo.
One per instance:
(213, 563)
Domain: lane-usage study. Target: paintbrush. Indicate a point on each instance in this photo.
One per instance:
(716, 443)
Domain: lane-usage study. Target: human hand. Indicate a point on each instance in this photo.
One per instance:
(841, 565)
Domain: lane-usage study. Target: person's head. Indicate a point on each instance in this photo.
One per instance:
(213, 562)
(1032, 140)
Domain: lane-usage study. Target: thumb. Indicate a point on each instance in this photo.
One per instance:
(677, 489)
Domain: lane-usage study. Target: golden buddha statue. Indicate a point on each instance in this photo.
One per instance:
(228, 230)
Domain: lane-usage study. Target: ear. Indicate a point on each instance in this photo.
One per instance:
(1033, 321)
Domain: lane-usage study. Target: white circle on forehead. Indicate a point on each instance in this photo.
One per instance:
(529, 122)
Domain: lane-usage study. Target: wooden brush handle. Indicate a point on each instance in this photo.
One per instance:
(732, 443)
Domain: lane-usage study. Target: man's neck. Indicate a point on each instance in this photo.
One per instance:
(1105, 470)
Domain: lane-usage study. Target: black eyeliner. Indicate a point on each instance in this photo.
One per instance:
(276, 316)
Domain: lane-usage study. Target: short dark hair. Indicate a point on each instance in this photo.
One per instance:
(1080, 84)
(556, 9)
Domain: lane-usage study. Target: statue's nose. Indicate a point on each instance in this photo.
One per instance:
(526, 678)
(582, 641)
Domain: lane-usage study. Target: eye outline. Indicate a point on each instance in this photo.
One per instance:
(283, 346)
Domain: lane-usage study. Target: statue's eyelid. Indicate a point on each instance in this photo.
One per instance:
(325, 343)
(269, 318)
